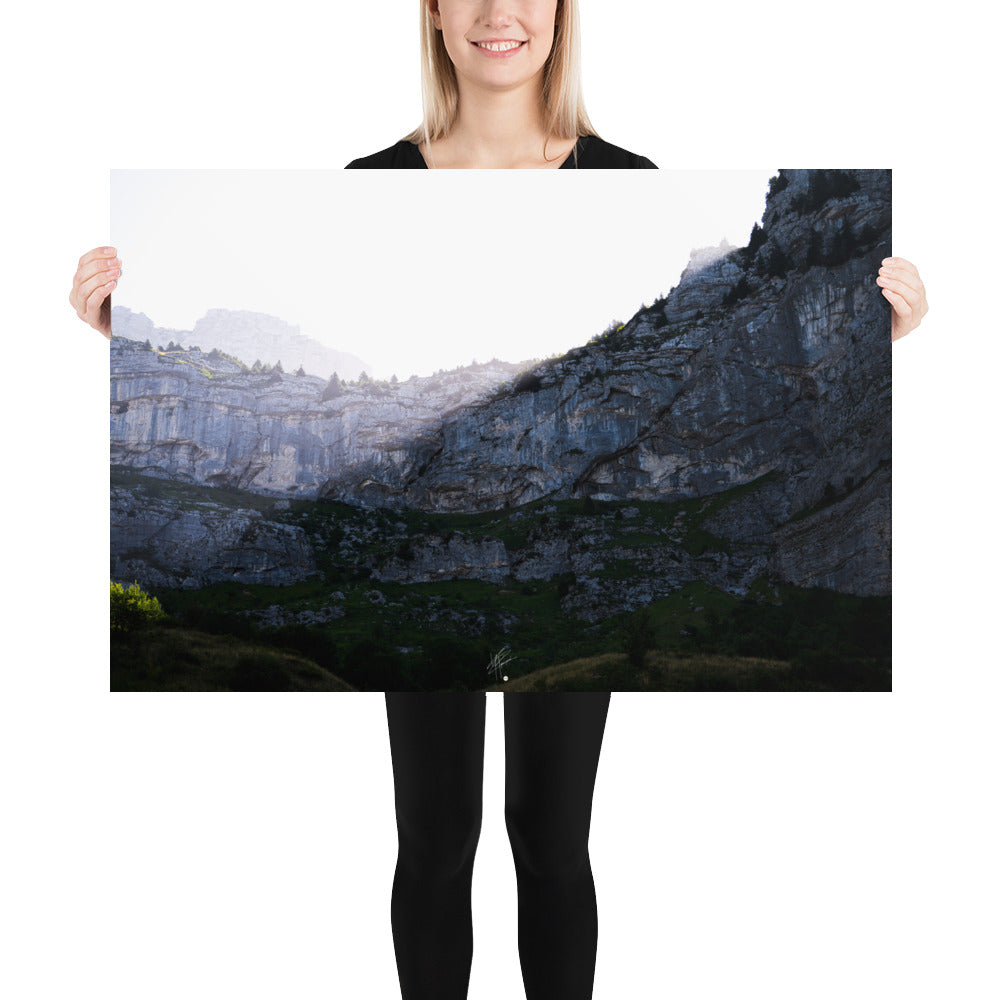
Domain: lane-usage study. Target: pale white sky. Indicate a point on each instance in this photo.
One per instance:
(415, 271)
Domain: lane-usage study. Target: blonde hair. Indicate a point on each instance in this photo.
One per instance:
(565, 114)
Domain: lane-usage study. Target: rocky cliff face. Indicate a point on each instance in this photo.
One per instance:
(769, 364)
(189, 416)
(164, 543)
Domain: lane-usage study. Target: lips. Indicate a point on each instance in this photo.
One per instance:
(499, 46)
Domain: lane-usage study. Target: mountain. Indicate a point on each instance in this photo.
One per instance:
(250, 336)
(763, 379)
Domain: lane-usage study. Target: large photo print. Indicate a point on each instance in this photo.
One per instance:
(366, 436)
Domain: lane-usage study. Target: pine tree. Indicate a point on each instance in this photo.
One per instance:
(333, 388)
(777, 183)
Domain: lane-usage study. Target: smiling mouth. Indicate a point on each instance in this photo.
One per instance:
(507, 46)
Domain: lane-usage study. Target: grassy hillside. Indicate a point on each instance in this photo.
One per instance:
(673, 672)
(180, 659)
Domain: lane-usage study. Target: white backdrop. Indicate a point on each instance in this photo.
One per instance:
(752, 846)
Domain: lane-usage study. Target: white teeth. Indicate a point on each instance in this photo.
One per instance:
(498, 46)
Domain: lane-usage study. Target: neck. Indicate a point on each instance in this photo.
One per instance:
(500, 128)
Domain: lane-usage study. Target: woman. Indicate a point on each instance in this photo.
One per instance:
(501, 89)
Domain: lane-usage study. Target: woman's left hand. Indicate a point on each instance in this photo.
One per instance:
(902, 286)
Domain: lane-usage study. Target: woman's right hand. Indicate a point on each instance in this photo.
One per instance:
(96, 274)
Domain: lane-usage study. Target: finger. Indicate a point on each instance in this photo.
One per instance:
(901, 262)
(96, 254)
(102, 277)
(97, 272)
(90, 275)
(900, 306)
(94, 301)
(910, 293)
(101, 267)
(916, 298)
(897, 267)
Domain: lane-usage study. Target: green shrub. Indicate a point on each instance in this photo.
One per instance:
(132, 607)
(527, 381)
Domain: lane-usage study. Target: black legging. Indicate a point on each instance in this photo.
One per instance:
(553, 742)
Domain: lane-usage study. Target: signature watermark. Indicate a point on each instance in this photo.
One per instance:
(498, 661)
